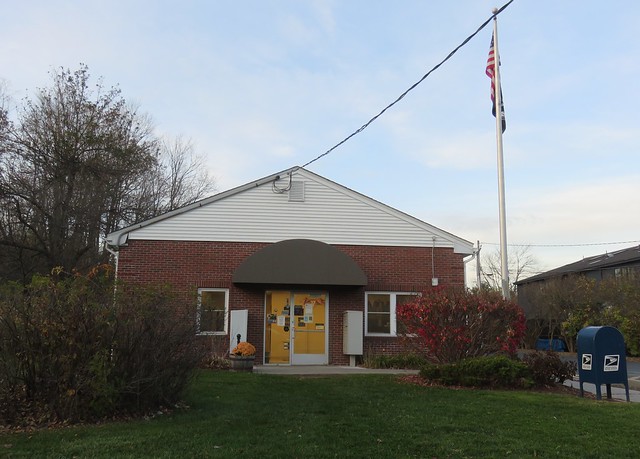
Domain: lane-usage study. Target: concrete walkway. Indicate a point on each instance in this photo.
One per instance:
(319, 370)
(617, 391)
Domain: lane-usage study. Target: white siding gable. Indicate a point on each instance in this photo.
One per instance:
(317, 209)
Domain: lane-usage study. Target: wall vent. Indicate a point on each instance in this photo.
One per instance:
(296, 192)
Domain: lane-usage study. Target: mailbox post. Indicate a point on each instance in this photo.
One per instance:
(602, 359)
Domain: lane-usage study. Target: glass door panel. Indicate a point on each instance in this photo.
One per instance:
(277, 327)
(309, 328)
(295, 328)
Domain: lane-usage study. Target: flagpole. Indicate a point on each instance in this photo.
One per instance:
(504, 270)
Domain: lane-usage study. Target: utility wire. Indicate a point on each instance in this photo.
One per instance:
(364, 126)
(566, 245)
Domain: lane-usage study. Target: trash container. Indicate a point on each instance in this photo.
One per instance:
(602, 359)
(551, 344)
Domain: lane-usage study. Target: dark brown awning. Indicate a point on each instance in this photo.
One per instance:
(300, 262)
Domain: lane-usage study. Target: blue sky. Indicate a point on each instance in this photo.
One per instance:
(260, 86)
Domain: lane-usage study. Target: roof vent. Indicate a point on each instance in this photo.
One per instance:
(296, 192)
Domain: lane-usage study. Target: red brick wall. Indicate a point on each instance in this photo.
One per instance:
(188, 265)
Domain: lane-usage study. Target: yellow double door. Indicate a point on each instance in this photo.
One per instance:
(296, 327)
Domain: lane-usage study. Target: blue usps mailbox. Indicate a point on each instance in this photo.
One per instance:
(602, 359)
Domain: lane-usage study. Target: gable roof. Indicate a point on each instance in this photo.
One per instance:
(292, 204)
(595, 263)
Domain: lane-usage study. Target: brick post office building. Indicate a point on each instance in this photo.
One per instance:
(307, 270)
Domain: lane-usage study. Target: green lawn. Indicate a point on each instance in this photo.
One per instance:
(258, 415)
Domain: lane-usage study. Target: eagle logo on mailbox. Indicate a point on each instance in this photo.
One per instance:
(611, 362)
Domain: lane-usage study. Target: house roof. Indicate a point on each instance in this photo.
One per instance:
(595, 263)
(357, 219)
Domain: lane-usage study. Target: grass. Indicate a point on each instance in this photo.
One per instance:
(258, 415)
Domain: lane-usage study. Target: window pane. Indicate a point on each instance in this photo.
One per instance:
(379, 313)
(378, 323)
(379, 302)
(212, 311)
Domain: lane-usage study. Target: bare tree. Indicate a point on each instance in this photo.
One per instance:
(521, 263)
(178, 177)
(4, 106)
(187, 180)
(547, 305)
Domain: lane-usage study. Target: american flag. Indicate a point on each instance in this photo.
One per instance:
(490, 71)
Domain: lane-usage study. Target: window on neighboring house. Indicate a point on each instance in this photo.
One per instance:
(213, 307)
(627, 272)
(380, 312)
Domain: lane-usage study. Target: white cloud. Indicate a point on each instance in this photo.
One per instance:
(561, 224)
(593, 210)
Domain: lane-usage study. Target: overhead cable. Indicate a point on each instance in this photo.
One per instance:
(364, 126)
(567, 245)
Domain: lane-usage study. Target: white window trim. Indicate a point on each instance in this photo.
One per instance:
(226, 312)
(393, 330)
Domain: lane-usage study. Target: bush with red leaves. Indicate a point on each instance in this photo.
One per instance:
(448, 325)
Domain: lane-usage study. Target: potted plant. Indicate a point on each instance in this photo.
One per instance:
(242, 356)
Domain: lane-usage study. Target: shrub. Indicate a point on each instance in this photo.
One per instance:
(548, 369)
(404, 361)
(447, 325)
(539, 369)
(154, 348)
(489, 371)
(73, 350)
(216, 353)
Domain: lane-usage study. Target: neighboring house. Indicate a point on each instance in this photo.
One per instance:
(280, 261)
(620, 264)
(544, 316)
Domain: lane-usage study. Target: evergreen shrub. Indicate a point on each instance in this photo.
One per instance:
(489, 371)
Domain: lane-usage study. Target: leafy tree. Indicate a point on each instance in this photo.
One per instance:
(613, 301)
(77, 163)
(548, 306)
(561, 307)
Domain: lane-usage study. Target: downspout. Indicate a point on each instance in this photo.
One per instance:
(474, 256)
(115, 256)
(434, 279)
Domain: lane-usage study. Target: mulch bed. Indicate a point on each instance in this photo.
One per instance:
(556, 389)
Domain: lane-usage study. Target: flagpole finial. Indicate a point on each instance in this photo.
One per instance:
(494, 11)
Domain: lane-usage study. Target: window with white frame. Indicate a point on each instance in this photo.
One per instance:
(380, 312)
(213, 308)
